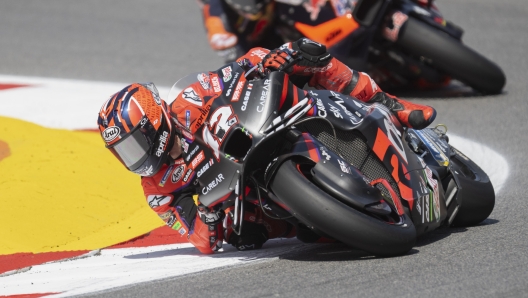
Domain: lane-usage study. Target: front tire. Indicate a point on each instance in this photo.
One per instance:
(476, 196)
(317, 209)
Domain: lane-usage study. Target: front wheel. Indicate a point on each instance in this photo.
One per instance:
(451, 56)
(320, 211)
(475, 194)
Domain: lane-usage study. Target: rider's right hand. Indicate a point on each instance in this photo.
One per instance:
(280, 60)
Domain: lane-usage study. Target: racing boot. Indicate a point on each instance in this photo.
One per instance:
(409, 114)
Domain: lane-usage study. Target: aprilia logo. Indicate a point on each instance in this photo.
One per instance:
(162, 144)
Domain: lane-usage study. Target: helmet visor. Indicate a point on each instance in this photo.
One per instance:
(132, 150)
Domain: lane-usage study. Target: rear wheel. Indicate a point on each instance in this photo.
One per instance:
(451, 56)
(322, 212)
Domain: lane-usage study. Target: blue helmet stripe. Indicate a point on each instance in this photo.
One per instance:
(115, 100)
(124, 112)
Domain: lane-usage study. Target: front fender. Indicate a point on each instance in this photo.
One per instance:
(345, 183)
(331, 173)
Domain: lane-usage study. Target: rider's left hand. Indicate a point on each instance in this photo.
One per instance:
(210, 216)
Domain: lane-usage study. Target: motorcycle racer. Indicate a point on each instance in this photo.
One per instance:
(151, 139)
(235, 26)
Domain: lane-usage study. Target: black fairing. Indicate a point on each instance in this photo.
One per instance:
(251, 144)
(257, 104)
(349, 188)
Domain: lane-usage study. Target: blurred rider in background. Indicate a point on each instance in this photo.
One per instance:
(235, 26)
(156, 140)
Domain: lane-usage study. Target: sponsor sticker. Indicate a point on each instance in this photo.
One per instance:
(177, 225)
(191, 154)
(258, 53)
(158, 200)
(197, 160)
(165, 176)
(188, 135)
(238, 90)
(230, 87)
(203, 114)
(321, 110)
(339, 101)
(166, 215)
(324, 153)
(336, 111)
(177, 174)
(185, 145)
(246, 96)
(344, 167)
(145, 171)
(171, 220)
(162, 143)
(227, 72)
(216, 84)
(263, 96)
(205, 168)
(204, 80)
(187, 175)
(111, 133)
(191, 96)
(187, 118)
(213, 184)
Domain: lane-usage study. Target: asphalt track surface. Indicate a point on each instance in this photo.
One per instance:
(160, 41)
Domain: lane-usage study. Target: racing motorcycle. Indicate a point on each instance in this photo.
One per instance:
(398, 42)
(349, 171)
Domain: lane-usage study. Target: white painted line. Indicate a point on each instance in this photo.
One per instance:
(493, 164)
(126, 266)
(57, 103)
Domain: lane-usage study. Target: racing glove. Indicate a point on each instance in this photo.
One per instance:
(279, 60)
(210, 216)
(303, 57)
(207, 234)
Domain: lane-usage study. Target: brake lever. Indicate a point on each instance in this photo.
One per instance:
(256, 67)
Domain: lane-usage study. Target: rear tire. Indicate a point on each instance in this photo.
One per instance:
(317, 209)
(451, 56)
